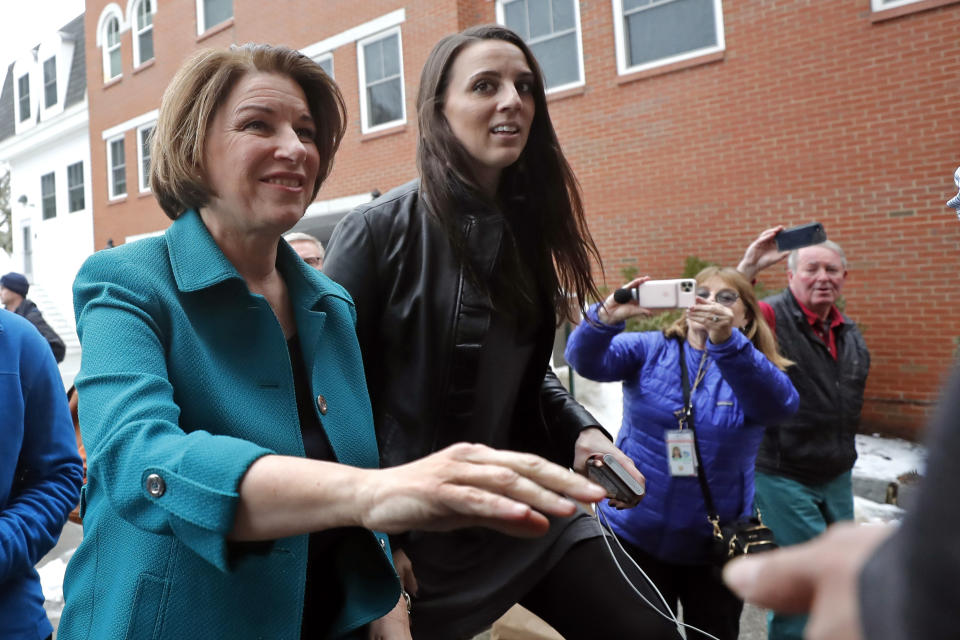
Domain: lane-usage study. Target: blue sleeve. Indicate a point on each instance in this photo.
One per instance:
(602, 352)
(130, 420)
(49, 470)
(765, 393)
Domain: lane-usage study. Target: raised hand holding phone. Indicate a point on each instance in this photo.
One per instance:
(612, 311)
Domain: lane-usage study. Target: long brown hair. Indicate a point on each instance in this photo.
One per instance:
(756, 328)
(539, 192)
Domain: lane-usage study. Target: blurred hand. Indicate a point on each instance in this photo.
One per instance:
(404, 567)
(591, 441)
(393, 626)
(713, 318)
(470, 485)
(818, 577)
(612, 312)
(761, 253)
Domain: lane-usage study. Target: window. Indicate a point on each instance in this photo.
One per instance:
(143, 35)
(143, 153)
(651, 33)
(24, 86)
(50, 82)
(117, 170)
(48, 196)
(210, 13)
(326, 63)
(880, 5)
(381, 81)
(75, 191)
(551, 30)
(112, 60)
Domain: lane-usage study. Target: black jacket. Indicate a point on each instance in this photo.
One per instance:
(422, 323)
(818, 443)
(29, 310)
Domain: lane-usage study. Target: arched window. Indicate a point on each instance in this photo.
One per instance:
(112, 61)
(143, 32)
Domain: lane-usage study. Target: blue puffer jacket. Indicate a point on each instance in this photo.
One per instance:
(740, 393)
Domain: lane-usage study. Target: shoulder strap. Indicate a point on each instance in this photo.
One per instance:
(712, 514)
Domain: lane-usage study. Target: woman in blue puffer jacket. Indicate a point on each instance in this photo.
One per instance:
(737, 386)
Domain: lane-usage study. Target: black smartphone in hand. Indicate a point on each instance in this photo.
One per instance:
(802, 236)
(610, 474)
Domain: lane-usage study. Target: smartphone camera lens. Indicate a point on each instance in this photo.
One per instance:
(686, 286)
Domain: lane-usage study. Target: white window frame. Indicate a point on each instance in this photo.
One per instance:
(71, 188)
(21, 118)
(132, 10)
(323, 57)
(143, 180)
(56, 96)
(202, 18)
(110, 168)
(44, 197)
(502, 19)
(620, 40)
(879, 5)
(107, 49)
(362, 79)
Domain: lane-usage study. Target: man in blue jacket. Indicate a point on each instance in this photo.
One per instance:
(40, 473)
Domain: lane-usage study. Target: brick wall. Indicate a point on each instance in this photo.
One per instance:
(814, 111)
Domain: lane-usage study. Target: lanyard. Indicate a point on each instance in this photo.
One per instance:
(685, 414)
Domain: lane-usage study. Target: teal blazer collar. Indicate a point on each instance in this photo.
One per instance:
(198, 263)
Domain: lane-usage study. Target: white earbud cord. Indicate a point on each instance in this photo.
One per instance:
(604, 530)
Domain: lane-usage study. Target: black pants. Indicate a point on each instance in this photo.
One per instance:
(707, 603)
(585, 597)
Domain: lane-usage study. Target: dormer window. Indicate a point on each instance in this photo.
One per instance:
(50, 82)
(23, 84)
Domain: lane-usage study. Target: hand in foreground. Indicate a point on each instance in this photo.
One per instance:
(818, 577)
(393, 626)
(467, 485)
(712, 317)
(612, 312)
(591, 441)
(761, 253)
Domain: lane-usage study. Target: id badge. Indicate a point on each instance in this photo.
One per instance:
(681, 454)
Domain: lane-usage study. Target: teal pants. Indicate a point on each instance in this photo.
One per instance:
(797, 512)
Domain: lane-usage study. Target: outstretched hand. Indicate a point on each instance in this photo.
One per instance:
(818, 577)
(468, 485)
(761, 253)
(613, 312)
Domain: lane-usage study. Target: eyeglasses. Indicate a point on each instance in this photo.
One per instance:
(726, 297)
(313, 261)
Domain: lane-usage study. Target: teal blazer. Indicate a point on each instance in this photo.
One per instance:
(185, 381)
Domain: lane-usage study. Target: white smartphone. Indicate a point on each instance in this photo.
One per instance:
(661, 294)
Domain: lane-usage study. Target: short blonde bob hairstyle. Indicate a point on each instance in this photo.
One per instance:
(756, 328)
(200, 87)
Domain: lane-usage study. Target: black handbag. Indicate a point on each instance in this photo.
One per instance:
(743, 536)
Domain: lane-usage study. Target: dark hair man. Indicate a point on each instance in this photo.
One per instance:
(13, 295)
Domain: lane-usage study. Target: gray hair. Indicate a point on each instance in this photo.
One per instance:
(296, 236)
(826, 244)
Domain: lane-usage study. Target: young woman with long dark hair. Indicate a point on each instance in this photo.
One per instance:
(458, 279)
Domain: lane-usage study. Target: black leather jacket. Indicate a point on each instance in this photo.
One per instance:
(422, 323)
(818, 443)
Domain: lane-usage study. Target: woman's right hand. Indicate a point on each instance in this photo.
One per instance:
(468, 485)
(613, 312)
